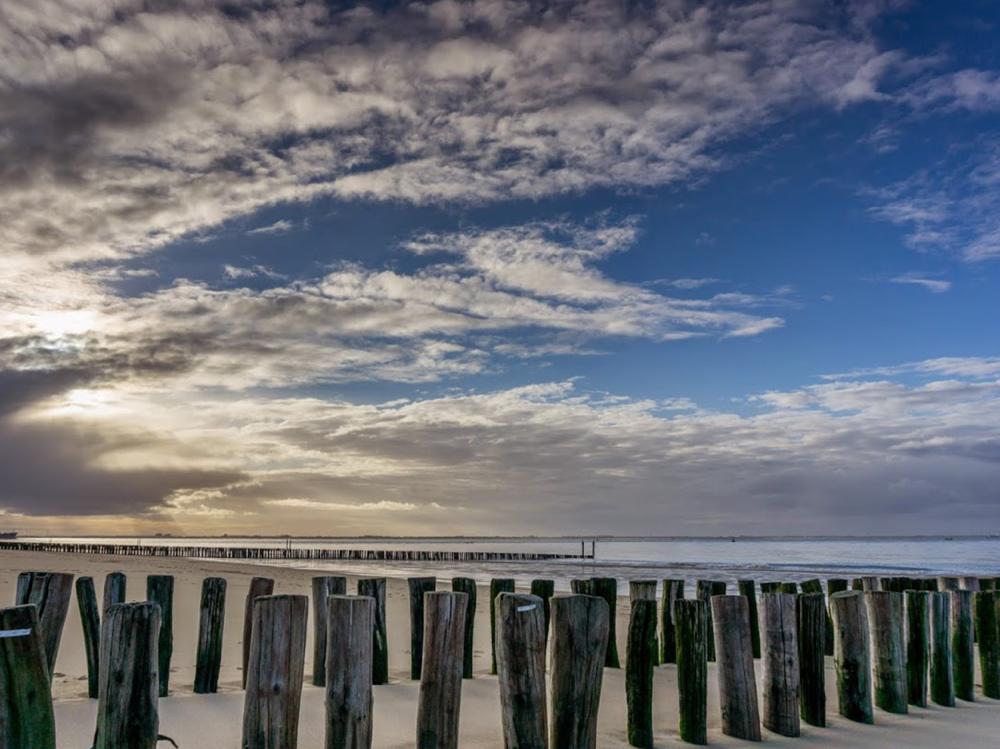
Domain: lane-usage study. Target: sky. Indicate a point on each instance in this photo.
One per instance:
(489, 267)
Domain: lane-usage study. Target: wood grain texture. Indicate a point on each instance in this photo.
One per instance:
(962, 646)
(691, 638)
(26, 717)
(440, 698)
(114, 591)
(673, 590)
(468, 586)
(811, 615)
(90, 619)
(211, 624)
(989, 649)
(160, 590)
(419, 587)
(323, 587)
(497, 586)
(918, 645)
(374, 588)
(639, 671)
(781, 663)
(50, 592)
(748, 589)
(259, 587)
(544, 589)
(852, 657)
(885, 628)
(349, 653)
(737, 683)
(942, 677)
(521, 670)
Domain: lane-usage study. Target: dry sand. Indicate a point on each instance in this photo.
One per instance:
(214, 721)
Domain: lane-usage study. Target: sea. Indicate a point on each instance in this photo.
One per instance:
(727, 558)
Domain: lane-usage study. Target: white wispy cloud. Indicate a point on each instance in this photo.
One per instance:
(281, 226)
(935, 285)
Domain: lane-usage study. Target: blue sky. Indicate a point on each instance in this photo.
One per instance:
(475, 266)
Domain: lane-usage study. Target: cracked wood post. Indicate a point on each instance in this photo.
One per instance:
(811, 615)
(350, 621)
(989, 650)
(748, 589)
(521, 670)
(50, 592)
(440, 697)
(851, 656)
(576, 667)
(468, 586)
(704, 590)
(639, 663)
(259, 587)
(544, 589)
(211, 620)
(374, 588)
(322, 588)
(128, 700)
(737, 684)
(86, 599)
(497, 586)
(962, 648)
(691, 638)
(646, 589)
(918, 645)
(781, 663)
(673, 590)
(26, 716)
(833, 585)
(160, 589)
(114, 591)
(275, 672)
(942, 677)
(885, 626)
(418, 587)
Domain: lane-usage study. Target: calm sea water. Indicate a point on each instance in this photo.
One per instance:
(688, 558)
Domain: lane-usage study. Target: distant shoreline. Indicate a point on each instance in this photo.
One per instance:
(532, 539)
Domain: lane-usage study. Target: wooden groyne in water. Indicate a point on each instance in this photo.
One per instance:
(285, 552)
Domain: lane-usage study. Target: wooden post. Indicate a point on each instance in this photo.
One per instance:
(646, 589)
(962, 648)
(673, 590)
(50, 592)
(737, 685)
(521, 670)
(580, 629)
(544, 589)
(639, 671)
(851, 656)
(691, 638)
(607, 588)
(811, 617)
(418, 587)
(211, 621)
(440, 695)
(748, 589)
(468, 586)
(259, 587)
(582, 586)
(704, 590)
(128, 700)
(918, 645)
(26, 717)
(989, 649)
(322, 588)
(374, 588)
(781, 663)
(790, 588)
(833, 585)
(350, 622)
(942, 678)
(275, 672)
(948, 583)
(114, 591)
(885, 626)
(497, 586)
(86, 599)
(160, 590)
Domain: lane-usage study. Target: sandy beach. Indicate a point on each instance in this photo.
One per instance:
(209, 721)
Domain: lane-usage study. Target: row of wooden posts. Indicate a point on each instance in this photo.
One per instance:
(895, 642)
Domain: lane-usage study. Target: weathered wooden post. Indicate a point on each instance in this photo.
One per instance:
(704, 590)
(885, 626)
(211, 621)
(989, 649)
(350, 622)
(114, 591)
(811, 610)
(468, 586)
(322, 588)
(160, 590)
(748, 589)
(259, 587)
(607, 588)
(962, 647)
(942, 677)
(576, 659)
(691, 638)
(419, 586)
(582, 586)
(26, 717)
(275, 672)
(789, 588)
(781, 663)
(639, 671)
(497, 586)
(128, 700)
(374, 588)
(646, 590)
(833, 585)
(521, 670)
(918, 645)
(673, 590)
(737, 685)
(948, 583)
(544, 589)
(851, 656)
(86, 599)
(440, 695)
(50, 592)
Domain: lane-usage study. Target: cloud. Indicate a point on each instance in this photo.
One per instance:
(935, 285)
(281, 226)
(310, 504)
(973, 367)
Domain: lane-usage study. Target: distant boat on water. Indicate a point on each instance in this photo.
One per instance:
(8, 535)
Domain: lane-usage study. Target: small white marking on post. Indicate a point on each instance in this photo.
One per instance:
(529, 607)
(15, 632)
